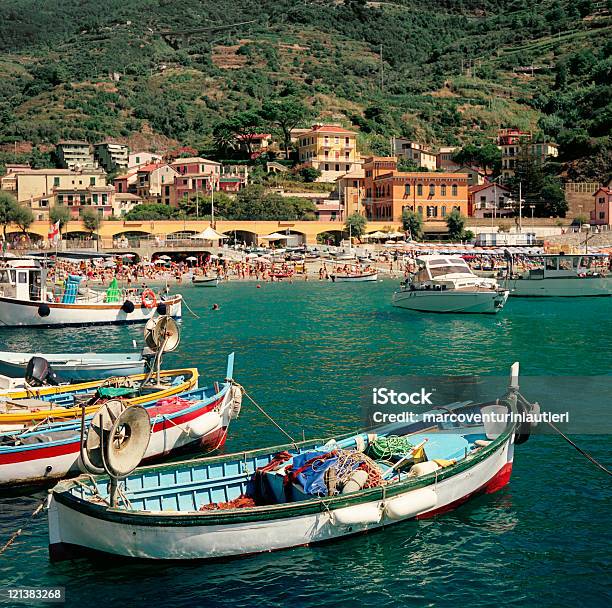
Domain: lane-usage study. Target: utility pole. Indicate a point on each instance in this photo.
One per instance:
(520, 207)
(212, 200)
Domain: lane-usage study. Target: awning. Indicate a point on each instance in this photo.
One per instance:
(209, 234)
(275, 236)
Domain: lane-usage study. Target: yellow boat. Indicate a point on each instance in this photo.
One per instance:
(57, 403)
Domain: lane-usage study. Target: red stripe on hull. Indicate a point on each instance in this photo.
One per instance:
(497, 482)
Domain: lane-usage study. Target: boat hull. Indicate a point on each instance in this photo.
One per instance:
(487, 302)
(147, 536)
(205, 427)
(205, 282)
(76, 367)
(562, 287)
(25, 313)
(364, 278)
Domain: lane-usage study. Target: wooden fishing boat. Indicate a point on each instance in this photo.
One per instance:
(31, 405)
(289, 495)
(76, 367)
(198, 419)
(202, 281)
(25, 301)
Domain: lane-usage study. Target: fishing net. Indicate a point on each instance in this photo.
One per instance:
(386, 447)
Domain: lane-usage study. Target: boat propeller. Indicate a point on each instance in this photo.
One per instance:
(115, 442)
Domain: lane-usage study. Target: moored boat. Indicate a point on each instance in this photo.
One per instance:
(198, 418)
(204, 281)
(76, 367)
(289, 495)
(564, 276)
(446, 284)
(31, 405)
(25, 301)
(354, 277)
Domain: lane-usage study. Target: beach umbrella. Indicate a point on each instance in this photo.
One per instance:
(164, 257)
(109, 264)
(191, 258)
(275, 236)
(209, 234)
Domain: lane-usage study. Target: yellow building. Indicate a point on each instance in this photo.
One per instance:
(43, 188)
(329, 148)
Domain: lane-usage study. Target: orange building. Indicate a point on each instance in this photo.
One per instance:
(387, 192)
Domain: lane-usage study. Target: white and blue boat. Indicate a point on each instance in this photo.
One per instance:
(76, 367)
(49, 451)
(289, 495)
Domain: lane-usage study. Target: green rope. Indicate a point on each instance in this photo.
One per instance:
(385, 447)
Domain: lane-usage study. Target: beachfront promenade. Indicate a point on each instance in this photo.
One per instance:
(155, 234)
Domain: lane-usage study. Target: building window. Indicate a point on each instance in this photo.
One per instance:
(432, 190)
(420, 210)
(60, 199)
(56, 181)
(92, 181)
(326, 153)
(454, 189)
(94, 199)
(602, 215)
(337, 167)
(82, 199)
(326, 166)
(419, 189)
(347, 141)
(443, 210)
(602, 200)
(443, 190)
(407, 189)
(336, 140)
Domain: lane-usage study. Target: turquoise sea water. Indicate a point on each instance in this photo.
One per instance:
(301, 351)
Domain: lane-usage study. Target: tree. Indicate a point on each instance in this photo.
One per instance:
(23, 217)
(356, 223)
(287, 114)
(310, 174)
(150, 211)
(61, 214)
(456, 224)
(240, 128)
(91, 220)
(413, 223)
(8, 205)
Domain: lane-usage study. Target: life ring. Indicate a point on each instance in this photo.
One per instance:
(148, 298)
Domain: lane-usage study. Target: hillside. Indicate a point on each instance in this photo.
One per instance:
(160, 73)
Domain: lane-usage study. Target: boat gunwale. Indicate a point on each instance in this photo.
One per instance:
(63, 495)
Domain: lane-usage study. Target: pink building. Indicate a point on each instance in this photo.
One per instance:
(602, 212)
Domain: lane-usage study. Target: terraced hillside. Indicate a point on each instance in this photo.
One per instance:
(161, 73)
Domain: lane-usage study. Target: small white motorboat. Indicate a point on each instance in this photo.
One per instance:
(447, 284)
(354, 277)
(204, 281)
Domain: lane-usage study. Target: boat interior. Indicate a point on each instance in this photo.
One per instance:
(299, 472)
(49, 431)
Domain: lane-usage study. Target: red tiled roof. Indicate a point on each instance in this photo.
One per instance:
(603, 189)
(474, 189)
(331, 129)
(150, 167)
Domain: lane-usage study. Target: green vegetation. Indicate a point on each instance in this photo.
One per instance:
(11, 212)
(455, 223)
(413, 223)
(453, 73)
(91, 220)
(61, 214)
(356, 224)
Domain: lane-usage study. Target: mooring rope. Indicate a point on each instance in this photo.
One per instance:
(278, 426)
(576, 447)
(585, 454)
(189, 309)
(15, 534)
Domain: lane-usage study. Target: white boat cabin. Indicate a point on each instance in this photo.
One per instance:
(22, 279)
(447, 272)
(556, 266)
